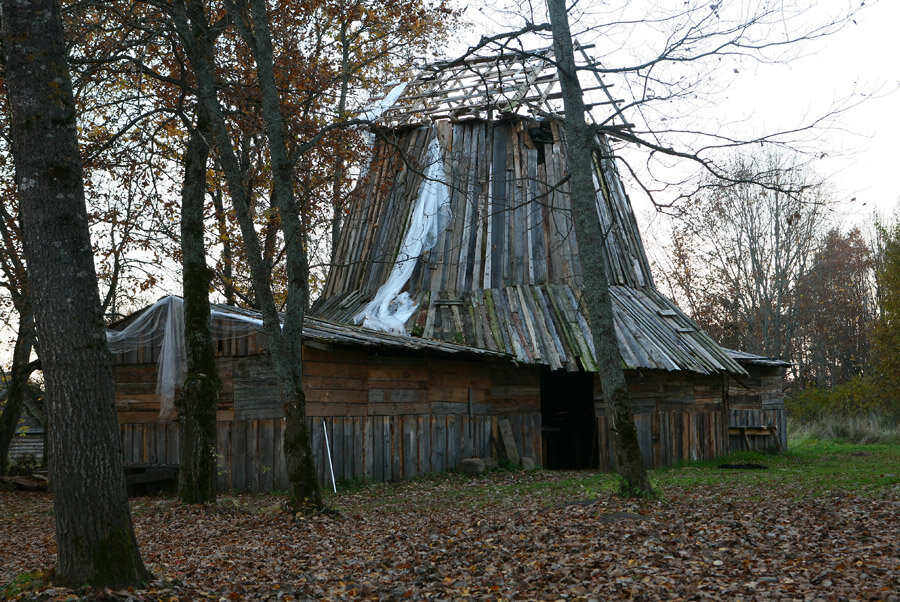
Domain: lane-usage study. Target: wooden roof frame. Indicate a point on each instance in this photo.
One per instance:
(485, 87)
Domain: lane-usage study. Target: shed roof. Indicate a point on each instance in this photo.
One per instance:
(234, 323)
(750, 359)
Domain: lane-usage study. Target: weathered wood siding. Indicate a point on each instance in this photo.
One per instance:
(388, 417)
(26, 450)
(678, 416)
(757, 400)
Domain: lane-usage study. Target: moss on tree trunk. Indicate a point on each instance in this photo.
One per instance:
(199, 397)
(580, 156)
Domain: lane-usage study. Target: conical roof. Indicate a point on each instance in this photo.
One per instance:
(472, 217)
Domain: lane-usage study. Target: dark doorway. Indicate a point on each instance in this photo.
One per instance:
(567, 417)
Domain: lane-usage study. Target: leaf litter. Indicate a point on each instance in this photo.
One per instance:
(507, 535)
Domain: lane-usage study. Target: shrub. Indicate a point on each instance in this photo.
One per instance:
(861, 396)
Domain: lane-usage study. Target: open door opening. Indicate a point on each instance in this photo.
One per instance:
(569, 429)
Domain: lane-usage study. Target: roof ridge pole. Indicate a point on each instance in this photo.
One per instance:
(588, 230)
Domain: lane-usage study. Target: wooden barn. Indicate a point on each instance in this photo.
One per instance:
(497, 265)
(454, 316)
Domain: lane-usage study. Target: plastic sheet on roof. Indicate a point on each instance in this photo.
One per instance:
(390, 309)
(163, 324)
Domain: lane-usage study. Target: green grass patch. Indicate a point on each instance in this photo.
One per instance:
(810, 468)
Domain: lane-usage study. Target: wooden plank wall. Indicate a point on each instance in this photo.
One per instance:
(679, 416)
(758, 417)
(670, 436)
(387, 417)
(250, 453)
(757, 400)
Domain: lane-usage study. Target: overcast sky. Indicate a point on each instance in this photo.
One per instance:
(859, 65)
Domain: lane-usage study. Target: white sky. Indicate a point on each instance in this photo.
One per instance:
(859, 63)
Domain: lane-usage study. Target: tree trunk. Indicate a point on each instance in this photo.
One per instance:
(16, 386)
(94, 533)
(285, 343)
(228, 288)
(581, 144)
(199, 397)
(305, 493)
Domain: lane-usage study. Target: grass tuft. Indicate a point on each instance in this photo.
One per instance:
(864, 430)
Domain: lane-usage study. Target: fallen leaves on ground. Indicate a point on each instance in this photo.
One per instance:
(507, 535)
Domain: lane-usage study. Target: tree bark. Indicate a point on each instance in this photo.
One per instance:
(581, 148)
(199, 397)
(16, 386)
(305, 492)
(94, 533)
(285, 342)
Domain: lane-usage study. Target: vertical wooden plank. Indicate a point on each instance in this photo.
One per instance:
(336, 438)
(378, 448)
(349, 447)
(439, 444)
(254, 466)
(267, 454)
(454, 452)
(368, 447)
(161, 444)
(396, 448)
(410, 447)
(386, 447)
(150, 444)
(423, 428)
(137, 443)
(465, 442)
(656, 438)
(239, 456)
(125, 434)
(174, 447)
(359, 448)
(516, 424)
(528, 437)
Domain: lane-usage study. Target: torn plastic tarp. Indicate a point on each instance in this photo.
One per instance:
(390, 309)
(377, 108)
(162, 324)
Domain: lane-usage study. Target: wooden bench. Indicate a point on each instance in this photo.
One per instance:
(757, 431)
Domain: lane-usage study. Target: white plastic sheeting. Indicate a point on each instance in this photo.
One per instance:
(162, 324)
(377, 109)
(390, 309)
